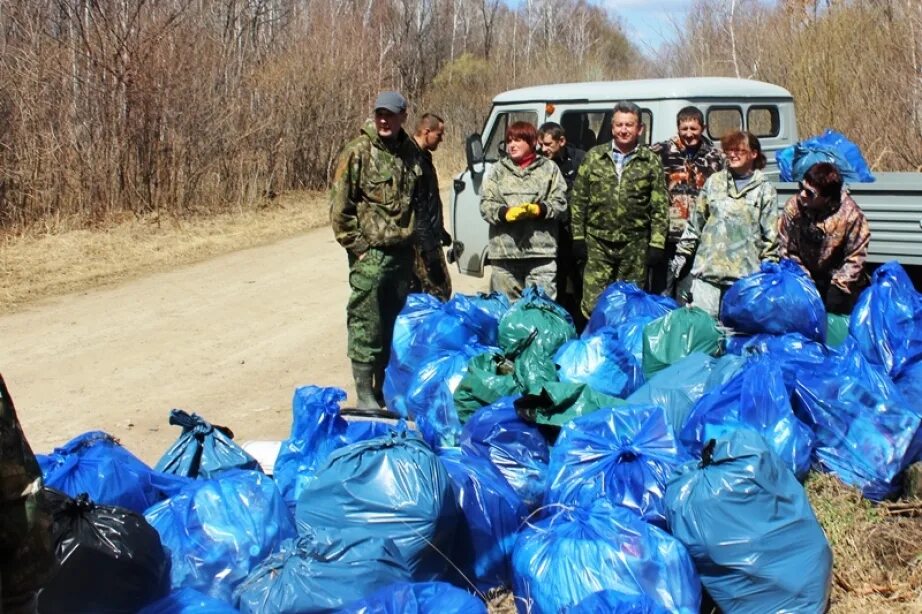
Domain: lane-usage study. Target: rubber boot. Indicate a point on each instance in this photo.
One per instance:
(378, 387)
(363, 374)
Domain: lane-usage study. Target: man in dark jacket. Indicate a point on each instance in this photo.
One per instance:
(372, 215)
(26, 549)
(553, 143)
(430, 267)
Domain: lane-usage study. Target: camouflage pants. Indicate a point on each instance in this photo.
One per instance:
(380, 282)
(608, 262)
(512, 275)
(423, 283)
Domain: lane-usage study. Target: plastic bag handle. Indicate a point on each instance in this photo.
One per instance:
(707, 454)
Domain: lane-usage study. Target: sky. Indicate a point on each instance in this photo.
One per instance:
(648, 23)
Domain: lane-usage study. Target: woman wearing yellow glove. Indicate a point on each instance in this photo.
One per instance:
(523, 199)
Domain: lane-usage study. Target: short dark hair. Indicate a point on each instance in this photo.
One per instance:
(524, 131)
(826, 178)
(428, 121)
(626, 106)
(688, 114)
(739, 137)
(553, 129)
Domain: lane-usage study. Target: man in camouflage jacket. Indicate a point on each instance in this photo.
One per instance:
(619, 209)
(373, 218)
(824, 231)
(689, 158)
(26, 549)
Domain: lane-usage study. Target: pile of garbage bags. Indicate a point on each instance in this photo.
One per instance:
(605, 471)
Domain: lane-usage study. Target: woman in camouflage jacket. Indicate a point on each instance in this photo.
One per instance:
(733, 226)
(524, 199)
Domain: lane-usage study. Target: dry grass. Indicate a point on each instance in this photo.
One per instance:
(45, 262)
(877, 549)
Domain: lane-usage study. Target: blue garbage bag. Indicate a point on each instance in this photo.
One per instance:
(624, 455)
(866, 432)
(909, 381)
(430, 401)
(756, 398)
(831, 146)
(408, 348)
(792, 352)
(780, 298)
(321, 571)
(188, 601)
(748, 525)
(419, 598)
(566, 557)
(621, 301)
(480, 313)
(491, 514)
(393, 488)
(613, 602)
(601, 361)
(679, 386)
(96, 464)
(630, 334)
(316, 430)
(517, 449)
(218, 530)
(202, 450)
(887, 320)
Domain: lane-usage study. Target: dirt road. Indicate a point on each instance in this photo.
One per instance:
(229, 338)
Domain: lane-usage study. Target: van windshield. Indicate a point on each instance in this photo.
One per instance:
(586, 128)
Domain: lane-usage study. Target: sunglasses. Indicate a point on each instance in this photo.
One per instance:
(812, 193)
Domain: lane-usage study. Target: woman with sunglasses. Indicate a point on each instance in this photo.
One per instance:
(825, 232)
(732, 227)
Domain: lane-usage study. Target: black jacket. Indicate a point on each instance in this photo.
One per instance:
(568, 161)
(430, 225)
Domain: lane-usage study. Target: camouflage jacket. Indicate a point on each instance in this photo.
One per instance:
(370, 199)
(507, 185)
(831, 245)
(631, 208)
(26, 549)
(732, 231)
(685, 176)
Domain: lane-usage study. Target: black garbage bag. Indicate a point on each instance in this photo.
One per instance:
(203, 450)
(111, 560)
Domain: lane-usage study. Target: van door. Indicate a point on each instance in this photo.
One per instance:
(469, 228)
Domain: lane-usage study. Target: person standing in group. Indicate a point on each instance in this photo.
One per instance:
(689, 158)
(824, 231)
(733, 225)
(430, 267)
(372, 215)
(553, 143)
(619, 209)
(523, 199)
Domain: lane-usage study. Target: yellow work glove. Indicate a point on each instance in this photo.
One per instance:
(534, 209)
(516, 213)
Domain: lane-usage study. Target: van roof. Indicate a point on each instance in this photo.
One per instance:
(645, 89)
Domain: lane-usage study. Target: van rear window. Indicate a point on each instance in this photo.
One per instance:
(763, 121)
(723, 120)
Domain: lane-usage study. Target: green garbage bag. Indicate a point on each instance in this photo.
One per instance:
(490, 376)
(556, 403)
(533, 330)
(836, 329)
(677, 334)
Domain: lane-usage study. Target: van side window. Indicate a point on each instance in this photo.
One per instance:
(496, 143)
(586, 129)
(763, 121)
(723, 120)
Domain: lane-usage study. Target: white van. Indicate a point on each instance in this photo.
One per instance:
(584, 110)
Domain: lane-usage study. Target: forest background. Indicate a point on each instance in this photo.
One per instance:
(115, 109)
